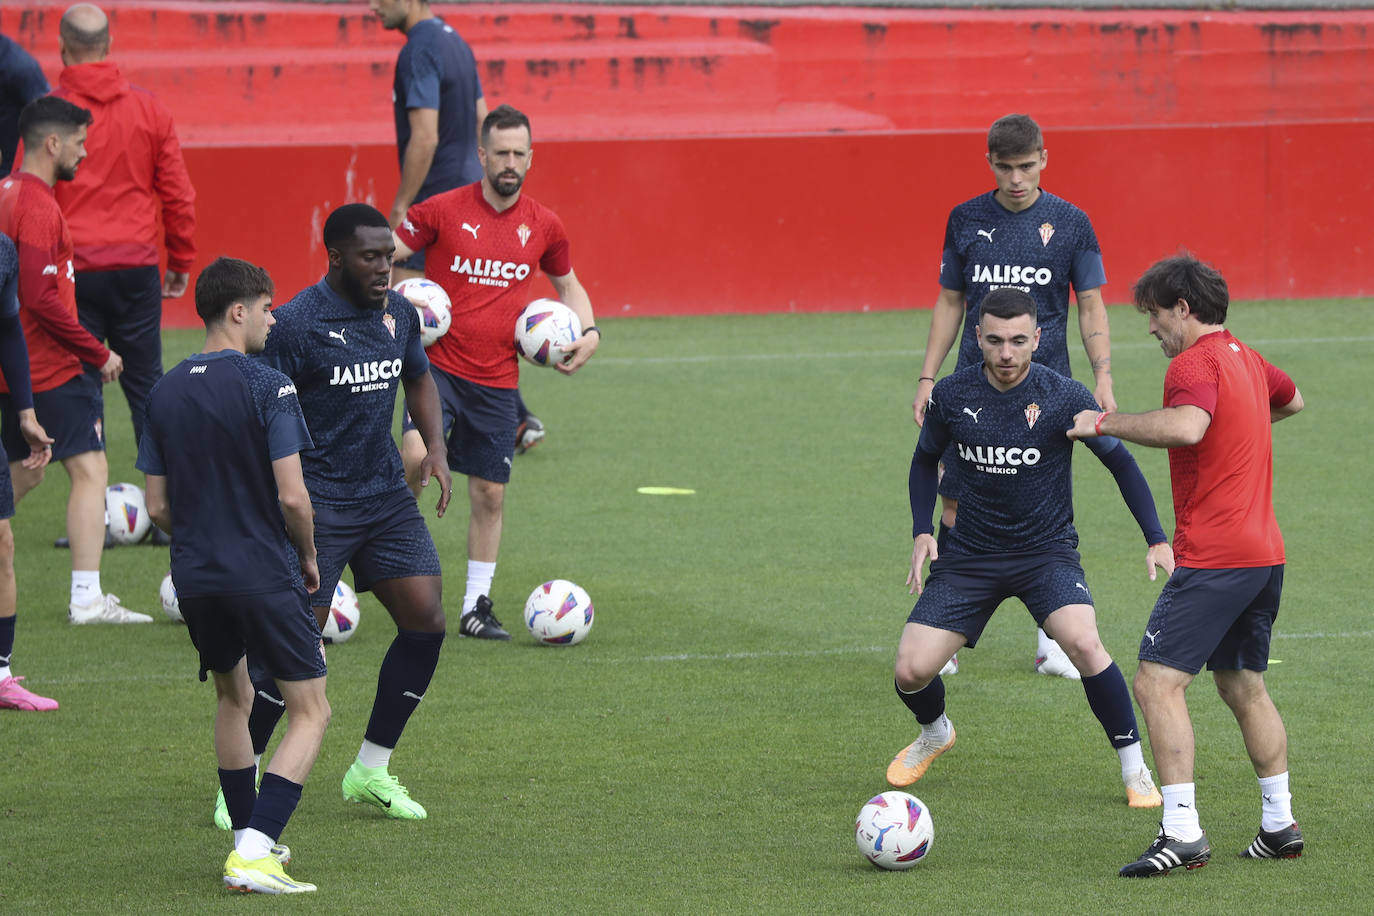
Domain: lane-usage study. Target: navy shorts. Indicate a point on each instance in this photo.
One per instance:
(279, 628)
(1219, 617)
(73, 414)
(480, 423)
(382, 538)
(962, 592)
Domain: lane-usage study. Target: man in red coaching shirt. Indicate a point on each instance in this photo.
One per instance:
(1218, 607)
(483, 244)
(66, 400)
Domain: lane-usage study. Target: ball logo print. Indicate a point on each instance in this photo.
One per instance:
(344, 615)
(126, 513)
(559, 613)
(894, 831)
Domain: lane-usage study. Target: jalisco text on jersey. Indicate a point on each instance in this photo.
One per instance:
(366, 372)
(489, 272)
(999, 455)
(1012, 273)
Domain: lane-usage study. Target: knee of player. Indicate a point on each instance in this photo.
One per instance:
(910, 675)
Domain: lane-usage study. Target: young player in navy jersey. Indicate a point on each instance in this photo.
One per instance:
(1004, 422)
(348, 343)
(485, 242)
(221, 447)
(1023, 237)
(14, 365)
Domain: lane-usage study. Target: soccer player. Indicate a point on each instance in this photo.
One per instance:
(348, 344)
(1023, 237)
(484, 242)
(132, 194)
(67, 401)
(221, 449)
(21, 81)
(1004, 422)
(14, 364)
(1218, 607)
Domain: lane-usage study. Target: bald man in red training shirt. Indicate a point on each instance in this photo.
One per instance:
(1219, 606)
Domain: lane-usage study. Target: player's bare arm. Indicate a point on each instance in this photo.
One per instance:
(1287, 410)
(424, 140)
(481, 116)
(1097, 343)
(945, 322)
(403, 250)
(298, 514)
(923, 548)
(40, 443)
(422, 401)
(155, 498)
(1168, 427)
(571, 294)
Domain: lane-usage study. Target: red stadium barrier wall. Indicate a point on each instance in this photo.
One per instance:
(762, 159)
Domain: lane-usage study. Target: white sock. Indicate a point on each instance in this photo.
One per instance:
(1180, 812)
(480, 575)
(938, 730)
(1043, 644)
(238, 835)
(254, 844)
(85, 586)
(1276, 803)
(373, 755)
(1132, 760)
(5, 672)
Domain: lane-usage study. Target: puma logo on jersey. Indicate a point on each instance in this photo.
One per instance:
(339, 334)
(472, 229)
(987, 233)
(973, 413)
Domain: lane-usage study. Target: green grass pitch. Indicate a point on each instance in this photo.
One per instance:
(707, 748)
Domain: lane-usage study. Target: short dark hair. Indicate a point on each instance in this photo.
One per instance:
(226, 281)
(1014, 134)
(48, 113)
(1008, 302)
(504, 117)
(1183, 277)
(344, 222)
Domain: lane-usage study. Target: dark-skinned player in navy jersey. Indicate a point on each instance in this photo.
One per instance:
(349, 343)
(484, 243)
(1019, 236)
(222, 443)
(1004, 422)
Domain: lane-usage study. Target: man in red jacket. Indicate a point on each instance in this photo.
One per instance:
(133, 163)
(67, 401)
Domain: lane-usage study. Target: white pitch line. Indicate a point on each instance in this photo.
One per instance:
(912, 354)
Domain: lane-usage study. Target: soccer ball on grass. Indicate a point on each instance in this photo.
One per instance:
(344, 615)
(894, 830)
(559, 613)
(167, 594)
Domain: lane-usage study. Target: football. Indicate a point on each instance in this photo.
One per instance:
(894, 830)
(344, 614)
(559, 613)
(431, 304)
(126, 514)
(167, 592)
(543, 329)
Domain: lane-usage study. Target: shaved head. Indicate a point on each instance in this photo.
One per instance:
(85, 33)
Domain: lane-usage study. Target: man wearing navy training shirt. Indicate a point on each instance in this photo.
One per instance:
(1023, 237)
(349, 343)
(1004, 423)
(221, 446)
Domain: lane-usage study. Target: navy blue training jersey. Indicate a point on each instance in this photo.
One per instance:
(436, 70)
(347, 363)
(1041, 250)
(1014, 459)
(21, 81)
(215, 424)
(9, 277)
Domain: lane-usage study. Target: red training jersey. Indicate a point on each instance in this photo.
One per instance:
(1223, 486)
(58, 344)
(486, 262)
